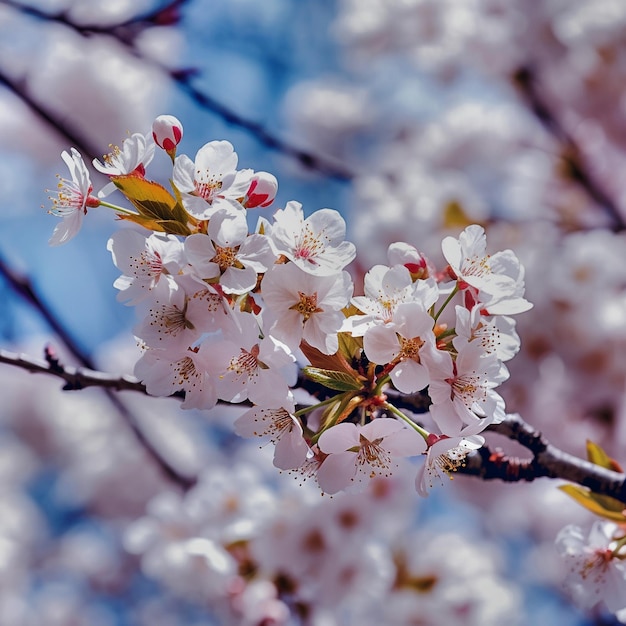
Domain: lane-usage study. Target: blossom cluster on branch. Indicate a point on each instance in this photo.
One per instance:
(229, 315)
(233, 314)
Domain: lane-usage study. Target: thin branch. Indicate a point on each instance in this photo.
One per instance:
(77, 376)
(58, 123)
(525, 78)
(126, 33)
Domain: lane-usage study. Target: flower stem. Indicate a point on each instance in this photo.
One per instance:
(445, 304)
(380, 384)
(119, 209)
(308, 409)
(422, 431)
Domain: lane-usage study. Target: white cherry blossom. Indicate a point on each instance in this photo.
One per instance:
(444, 457)
(249, 367)
(73, 198)
(597, 569)
(306, 306)
(133, 157)
(462, 389)
(179, 319)
(228, 253)
(212, 181)
(356, 454)
(497, 280)
(315, 244)
(496, 335)
(282, 428)
(385, 288)
(165, 372)
(401, 342)
(148, 264)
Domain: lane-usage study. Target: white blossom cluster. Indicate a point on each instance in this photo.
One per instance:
(258, 556)
(243, 546)
(226, 313)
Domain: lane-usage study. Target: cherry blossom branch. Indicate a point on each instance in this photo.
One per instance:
(525, 78)
(547, 461)
(126, 33)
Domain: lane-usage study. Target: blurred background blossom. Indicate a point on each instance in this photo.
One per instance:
(413, 118)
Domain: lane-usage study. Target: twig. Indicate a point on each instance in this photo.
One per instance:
(80, 376)
(125, 33)
(75, 377)
(525, 79)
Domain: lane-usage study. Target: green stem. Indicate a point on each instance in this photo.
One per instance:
(447, 333)
(380, 384)
(445, 304)
(347, 396)
(119, 209)
(308, 409)
(423, 432)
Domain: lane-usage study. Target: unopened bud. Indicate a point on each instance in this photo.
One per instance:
(400, 253)
(262, 190)
(167, 132)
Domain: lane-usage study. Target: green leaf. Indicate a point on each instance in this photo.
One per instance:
(174, 228)
(350, 346)
(604, 506)
(339, 381)
(155, 204)
(146, 222)
(598, 456)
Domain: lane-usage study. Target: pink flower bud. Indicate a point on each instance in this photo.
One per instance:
(167, 132)
(262, 190)
(404, 254)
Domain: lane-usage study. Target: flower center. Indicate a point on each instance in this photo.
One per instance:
(409, 348)
(246, 362)
(69, 198)
(170, 320)
(206, 190)
(281, 423)
(371, 453)
(467, 388)
(148, 263)
(307, 305)
(184, 370)
(309, 246)
(598, 563)
(477, 266)
(224, 257)
(451, 461)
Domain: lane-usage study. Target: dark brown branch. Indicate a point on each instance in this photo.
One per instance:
(546, 461)
(75, 377)
(69, 134)
(80, 376)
